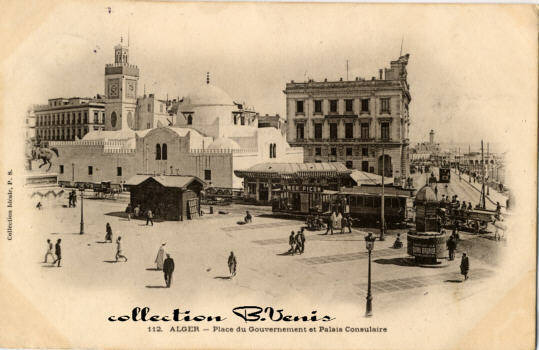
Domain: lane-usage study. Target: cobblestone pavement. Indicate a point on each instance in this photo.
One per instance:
(316, 237)
(396, 285)
(350, 256)
(260, 226)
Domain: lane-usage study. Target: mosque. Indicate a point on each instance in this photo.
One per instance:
(209, 136)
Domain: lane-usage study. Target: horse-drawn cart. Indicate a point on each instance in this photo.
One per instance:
(106, 189)
(475, 220)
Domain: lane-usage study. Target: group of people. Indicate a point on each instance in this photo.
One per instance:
(130, 211)
(337, 220)
(57, 252)
(108, 239)
(296, 242)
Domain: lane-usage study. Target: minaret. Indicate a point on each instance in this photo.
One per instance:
(431, 137)
(121, 79)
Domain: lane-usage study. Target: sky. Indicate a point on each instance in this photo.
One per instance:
(469, 69)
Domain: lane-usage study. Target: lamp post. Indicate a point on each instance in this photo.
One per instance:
(369, 243)
(81, 210)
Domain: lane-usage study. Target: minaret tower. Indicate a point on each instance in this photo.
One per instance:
(121, 80)
(431, 137)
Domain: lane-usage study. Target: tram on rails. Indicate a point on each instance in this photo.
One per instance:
(444, 174)
(361, 203)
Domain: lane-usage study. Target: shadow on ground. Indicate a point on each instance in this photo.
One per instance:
(396, 261)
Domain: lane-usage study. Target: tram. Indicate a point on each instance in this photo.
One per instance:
(361, 203)
(444, 174)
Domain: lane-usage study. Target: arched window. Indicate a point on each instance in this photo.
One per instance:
(189, 120)
(271, 150)
(164, 152)
(158, 152)
(274, 150)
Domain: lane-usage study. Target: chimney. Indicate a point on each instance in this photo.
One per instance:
(381, 71)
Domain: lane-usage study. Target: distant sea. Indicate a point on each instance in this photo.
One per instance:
(475, 147)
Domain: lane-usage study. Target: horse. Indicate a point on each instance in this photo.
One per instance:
(45, 154)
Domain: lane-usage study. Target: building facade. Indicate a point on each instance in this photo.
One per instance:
(208, 136)
(362, 123)
(64, 119)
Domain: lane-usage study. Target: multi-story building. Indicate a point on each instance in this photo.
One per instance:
(353, 122)
(65, 119)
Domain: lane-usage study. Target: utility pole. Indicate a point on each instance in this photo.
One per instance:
(346, 70)
(382, 219)
(488, 166)
(483, 175)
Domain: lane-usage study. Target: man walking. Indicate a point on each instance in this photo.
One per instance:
(149, 217)
(119, 249)
(329, 225)
(291, 242)
(301, 239)
(168, 269)
(49, 250)
(232, 264)
(58, 252)
(451, 246)
(464, 266)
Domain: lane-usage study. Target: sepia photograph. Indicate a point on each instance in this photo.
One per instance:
(268, 175)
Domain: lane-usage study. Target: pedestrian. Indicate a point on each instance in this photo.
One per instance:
(464, 266)
(128, 211)
(398, 243)
(302, 241)
(108, 234)
(119, 249)
(137, 211)
(470, 206)
(248, 217)
(338, 221)
(168, 269)
(232, 264)
(297, 242)
(291, 242)
(57, 252)
(74, 198)
(436, 191)
(149, 217)
(49, 250)
(349, 223)
(451, 246)
(160, 256)
(70, 199)
(329, 223)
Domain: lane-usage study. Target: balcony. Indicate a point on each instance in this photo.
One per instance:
(346, 115)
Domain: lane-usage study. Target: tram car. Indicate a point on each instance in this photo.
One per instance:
(364, 203)
(444, 175)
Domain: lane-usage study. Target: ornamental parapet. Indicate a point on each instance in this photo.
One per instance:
(221, 151)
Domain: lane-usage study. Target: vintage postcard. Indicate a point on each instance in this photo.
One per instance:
(250, 175)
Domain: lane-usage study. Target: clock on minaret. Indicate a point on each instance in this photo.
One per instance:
(114, 88)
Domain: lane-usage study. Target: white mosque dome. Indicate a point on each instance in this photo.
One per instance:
(208, 95)
(224, 143)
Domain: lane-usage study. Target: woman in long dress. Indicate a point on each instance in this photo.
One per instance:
(160, 257)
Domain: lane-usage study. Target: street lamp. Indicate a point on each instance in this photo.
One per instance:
(369, 243)
(81, 210)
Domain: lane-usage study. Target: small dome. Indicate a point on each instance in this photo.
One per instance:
(426, 194)
(208, 95)
(224, 143)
